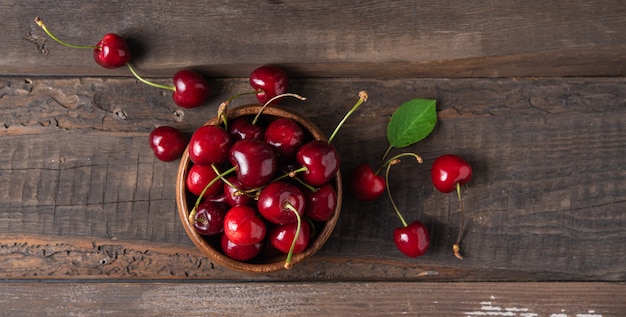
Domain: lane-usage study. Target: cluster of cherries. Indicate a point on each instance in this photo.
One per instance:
(230, 205)
(260, 185)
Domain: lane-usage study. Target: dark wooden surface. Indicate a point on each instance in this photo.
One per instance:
(328, 39)
(533, 95)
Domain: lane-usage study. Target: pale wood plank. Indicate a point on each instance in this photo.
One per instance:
(307, 299)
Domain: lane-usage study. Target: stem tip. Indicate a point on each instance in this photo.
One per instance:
(456, 249)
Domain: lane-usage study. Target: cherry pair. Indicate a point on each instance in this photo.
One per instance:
(190, 88)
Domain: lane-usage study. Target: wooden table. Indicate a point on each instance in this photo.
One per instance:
(533, 94)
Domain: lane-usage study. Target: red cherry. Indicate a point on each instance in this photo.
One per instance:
(191, 89)
(208, 145)
(449, 170)
(270, 81)
(167, 143)
(279, 201)
(240, 252)
(448, 173)
(255, 161)
(412, 240)
(286, 136)
(111, 51)
(321, 204)
(281, 237)
(243, 227)
(198, 177)
(209, 218)
(242, 128)
(364, 184)
(321, 161)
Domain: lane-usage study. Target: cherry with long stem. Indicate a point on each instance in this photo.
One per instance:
(448, 173)
(190, 88)
(411, 239)
(111, 51)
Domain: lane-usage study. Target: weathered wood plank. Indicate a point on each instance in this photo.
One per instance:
(304, 299)
(546, 203)
(325, 39)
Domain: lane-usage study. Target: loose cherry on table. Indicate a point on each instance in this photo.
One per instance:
(110, 52)
(411, 239)
(365, 184)
(448, 173)
(190, 87)
(269, 81)
(167, 143)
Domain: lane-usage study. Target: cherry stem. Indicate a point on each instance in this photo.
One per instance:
(193, 211)
(393, 203)
(387, 152)
(149, 83)
(289, 206)
(396, 158)
(221, 114)
(45, 29)
(457, 246)
(307, 186)
(256, 118)
(362, 98)
(241, 94)
(292, 174)
(229, 183)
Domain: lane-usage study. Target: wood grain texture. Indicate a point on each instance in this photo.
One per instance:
(325, 39)
(546, 203)
(314, 299)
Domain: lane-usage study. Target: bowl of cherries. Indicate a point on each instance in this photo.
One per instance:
(259, 188)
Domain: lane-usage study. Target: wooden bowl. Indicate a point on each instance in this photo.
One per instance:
(210, 248)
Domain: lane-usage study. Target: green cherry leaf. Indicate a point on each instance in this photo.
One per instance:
(413, 121)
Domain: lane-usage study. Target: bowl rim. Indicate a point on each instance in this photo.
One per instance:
(216, 255)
